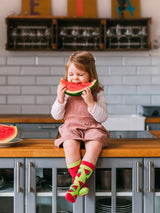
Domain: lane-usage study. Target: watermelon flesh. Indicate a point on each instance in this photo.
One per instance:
(76, 89)
(7, 133)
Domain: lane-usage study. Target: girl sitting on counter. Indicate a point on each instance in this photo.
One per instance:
(83, 116)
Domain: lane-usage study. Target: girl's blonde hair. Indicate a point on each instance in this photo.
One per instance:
(84, 60)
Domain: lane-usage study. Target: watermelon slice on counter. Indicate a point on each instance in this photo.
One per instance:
(76, 89)
(7, 133)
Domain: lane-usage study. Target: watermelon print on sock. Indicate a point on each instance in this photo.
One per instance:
(79, 181)
(73, 169)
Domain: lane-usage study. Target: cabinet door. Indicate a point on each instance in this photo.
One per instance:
(116, 186)
(45, 189)
(152, 185)
(11, 185)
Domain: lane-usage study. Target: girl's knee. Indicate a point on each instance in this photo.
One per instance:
(96, 145)
(71, 145)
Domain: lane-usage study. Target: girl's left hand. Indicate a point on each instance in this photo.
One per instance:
(88, 98)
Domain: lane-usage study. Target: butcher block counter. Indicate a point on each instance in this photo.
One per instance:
(46, 147)
(13, 118)
(152, 120)
(116, 148)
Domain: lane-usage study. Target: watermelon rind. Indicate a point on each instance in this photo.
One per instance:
(3, 135)
(79, 92)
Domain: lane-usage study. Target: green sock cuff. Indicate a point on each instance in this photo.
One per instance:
(74, 164)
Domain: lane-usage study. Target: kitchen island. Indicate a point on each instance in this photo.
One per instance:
(138, 159)
(31, 157)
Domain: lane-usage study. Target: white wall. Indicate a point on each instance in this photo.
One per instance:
(28, 84)
(148, 9)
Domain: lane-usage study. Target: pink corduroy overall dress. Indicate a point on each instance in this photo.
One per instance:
(79, 124)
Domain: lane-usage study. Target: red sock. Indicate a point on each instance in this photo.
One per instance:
(73, 169)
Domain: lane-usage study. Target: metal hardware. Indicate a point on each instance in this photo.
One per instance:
(147, 127)
(138, 164)
(47, 127)
(18, 177)
(150, 164)
(29, 177)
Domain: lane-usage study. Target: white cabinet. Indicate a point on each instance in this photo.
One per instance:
(125, 122)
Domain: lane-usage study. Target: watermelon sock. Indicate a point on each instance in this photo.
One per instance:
(83, 174)
(73, 169)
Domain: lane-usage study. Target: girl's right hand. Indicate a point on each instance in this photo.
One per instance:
(61, 93)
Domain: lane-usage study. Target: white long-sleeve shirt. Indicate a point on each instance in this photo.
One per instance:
(99, 112)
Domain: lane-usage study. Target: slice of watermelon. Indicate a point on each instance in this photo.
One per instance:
(75, 89)
(7, 133)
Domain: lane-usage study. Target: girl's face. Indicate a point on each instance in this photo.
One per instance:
(76, 75)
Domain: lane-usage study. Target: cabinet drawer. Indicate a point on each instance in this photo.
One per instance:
(43, 131)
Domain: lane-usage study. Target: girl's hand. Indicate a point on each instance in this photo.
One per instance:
(88, 98)
(61, 93)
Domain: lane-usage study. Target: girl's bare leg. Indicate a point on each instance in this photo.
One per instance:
(72, 151)
(93, 150)
(79, 187)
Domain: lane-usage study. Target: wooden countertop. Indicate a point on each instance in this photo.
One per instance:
(116, 148)
(152, 120)
(46, 148)
(13, 118)
(42, 118)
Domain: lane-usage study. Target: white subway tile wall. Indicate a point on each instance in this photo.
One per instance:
(28, 85)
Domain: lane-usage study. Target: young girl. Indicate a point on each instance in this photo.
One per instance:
(83, 116)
